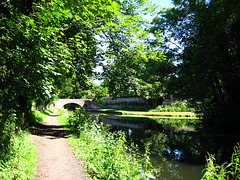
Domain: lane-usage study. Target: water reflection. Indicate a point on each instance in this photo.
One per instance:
(168, 125)
(131, 122)
(178, 150)
(179, 170)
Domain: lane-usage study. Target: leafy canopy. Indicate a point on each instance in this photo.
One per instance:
(42, 43)
(207, 36)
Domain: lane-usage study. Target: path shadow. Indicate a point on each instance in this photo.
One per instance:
(54, 131)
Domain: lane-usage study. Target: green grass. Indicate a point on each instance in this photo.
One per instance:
(104, 154)
(39, 116)
(63, 115)
(145, 113)
(18, 157)
(20, 162)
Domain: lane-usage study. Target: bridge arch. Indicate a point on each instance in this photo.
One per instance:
(87, 103)
(72, 106)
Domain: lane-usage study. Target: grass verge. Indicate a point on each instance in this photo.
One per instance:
(39, 116)
(18, 158)
(104, 154)
(20, 162)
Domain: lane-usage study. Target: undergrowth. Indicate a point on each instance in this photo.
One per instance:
(226, 170)
(39, 116)
(18, 154)
(105, 154)
(174, 107)
(20, 161)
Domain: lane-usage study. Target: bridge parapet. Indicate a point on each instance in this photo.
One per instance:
(86, 103)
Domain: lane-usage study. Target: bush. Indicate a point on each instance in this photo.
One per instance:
(174, 107)
(8, 127)
(78, 121)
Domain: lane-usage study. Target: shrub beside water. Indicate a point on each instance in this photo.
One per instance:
(225, 171)
(105, 154)
(174, 107)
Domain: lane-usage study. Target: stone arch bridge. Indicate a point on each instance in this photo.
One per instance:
(86, 103)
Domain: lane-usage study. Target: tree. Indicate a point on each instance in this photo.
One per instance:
(129, 71)
(42, 43)
(139, 72)
(73, 89)
(207, 33)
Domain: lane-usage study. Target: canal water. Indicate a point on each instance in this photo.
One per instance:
(178, 150)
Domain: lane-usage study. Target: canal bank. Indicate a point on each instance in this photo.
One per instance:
(144, 113)
(178, 150)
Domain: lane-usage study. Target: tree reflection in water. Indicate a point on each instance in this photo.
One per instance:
(177, 148)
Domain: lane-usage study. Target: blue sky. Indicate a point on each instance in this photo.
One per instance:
(162, 3)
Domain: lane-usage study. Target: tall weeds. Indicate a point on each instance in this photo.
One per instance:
(226, 170)
(18, 154)
(105, 154)
(20, 161)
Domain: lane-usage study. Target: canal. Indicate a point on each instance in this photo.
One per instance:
(178, 149)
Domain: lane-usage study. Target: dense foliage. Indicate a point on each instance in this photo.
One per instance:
(174, 107)
(41, 44)
(136, 72)
(207, 51)
(134, 68)
(73, 89)
(137, 69)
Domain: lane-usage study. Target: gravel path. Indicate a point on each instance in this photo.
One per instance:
(56, 160)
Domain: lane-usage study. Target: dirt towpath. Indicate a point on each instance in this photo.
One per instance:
(56, 160)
